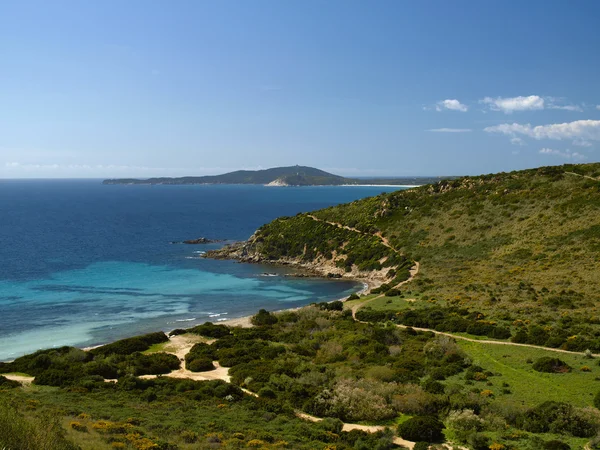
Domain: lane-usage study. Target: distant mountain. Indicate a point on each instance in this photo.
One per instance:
(277, 176)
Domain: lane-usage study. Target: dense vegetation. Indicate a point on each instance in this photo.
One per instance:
(66, 366)
(305, 239)
(317, 360)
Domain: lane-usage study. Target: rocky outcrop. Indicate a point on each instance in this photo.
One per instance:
(247, 252)
(278, 182)
(200, 240)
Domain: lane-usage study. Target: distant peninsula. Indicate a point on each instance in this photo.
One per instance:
(279, 176)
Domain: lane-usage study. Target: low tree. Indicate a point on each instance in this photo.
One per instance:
(263, 318)
(422, 428)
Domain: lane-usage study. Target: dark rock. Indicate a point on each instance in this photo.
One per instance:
(201, 240)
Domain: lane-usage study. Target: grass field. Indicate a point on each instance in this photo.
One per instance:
(527, 386)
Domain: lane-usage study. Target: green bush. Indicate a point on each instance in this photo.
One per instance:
(5, 383)
(130, 345)
(263, 318)
(199, 365)
(548, 364)
(558, 418)
(153, 364)
(421, 428)
(209, 329)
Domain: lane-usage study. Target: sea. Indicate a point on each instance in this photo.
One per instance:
(82, 263)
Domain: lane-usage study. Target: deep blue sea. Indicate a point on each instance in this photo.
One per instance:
(83, 263)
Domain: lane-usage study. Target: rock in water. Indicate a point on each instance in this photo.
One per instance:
(200, 240)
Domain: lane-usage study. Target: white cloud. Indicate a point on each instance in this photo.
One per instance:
(579, 130)
(597, 106)
(450, 130)
(575, 108)
(567, 154)
(451, 104)
(510, 104)
(517, 141)
(582, 143)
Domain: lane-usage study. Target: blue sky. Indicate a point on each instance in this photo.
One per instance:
(145, 88)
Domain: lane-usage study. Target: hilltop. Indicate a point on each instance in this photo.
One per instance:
(277, 176)
(519, 249)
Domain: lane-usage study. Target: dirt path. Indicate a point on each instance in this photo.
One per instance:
(181, 346)
(335, 224)
(383, 239)
(25, 380)
(582, 176)
(219, 373)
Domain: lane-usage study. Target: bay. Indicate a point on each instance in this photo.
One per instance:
(83, 263)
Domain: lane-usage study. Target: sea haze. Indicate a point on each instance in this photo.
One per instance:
(82, 263)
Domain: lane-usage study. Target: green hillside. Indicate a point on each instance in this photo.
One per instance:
(521, 248)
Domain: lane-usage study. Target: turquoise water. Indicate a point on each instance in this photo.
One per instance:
(83, 264)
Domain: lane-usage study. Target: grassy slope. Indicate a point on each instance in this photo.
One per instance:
(516, 246)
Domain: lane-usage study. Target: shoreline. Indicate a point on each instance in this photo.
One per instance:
(244, 321)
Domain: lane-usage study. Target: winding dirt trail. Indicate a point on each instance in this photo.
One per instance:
(383, 239)
(181, 345)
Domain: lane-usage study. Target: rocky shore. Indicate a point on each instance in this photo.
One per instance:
(246, 252)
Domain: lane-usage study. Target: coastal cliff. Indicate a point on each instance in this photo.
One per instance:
(325, 249)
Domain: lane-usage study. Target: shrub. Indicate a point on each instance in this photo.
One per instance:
(421, 428)
(209, 329)
(558, 418)
(5, 383)
(479, 441)
(263, 318)
(78, 426)
(551, 365)
(200, 365)
(464, 423)
(421, 445)
(353, 297)
(154, 364)
(131, 345)
(433, 387)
